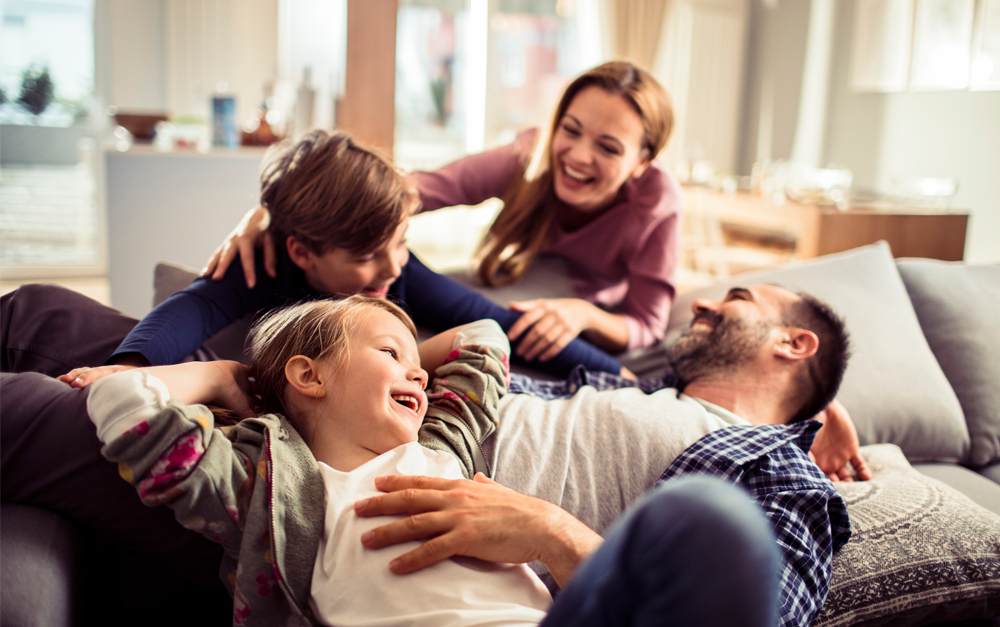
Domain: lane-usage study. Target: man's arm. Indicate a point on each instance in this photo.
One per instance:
(836, 447)
(477, 518)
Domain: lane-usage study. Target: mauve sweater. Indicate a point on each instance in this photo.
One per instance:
(623, 261)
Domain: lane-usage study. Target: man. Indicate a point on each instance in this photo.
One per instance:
(759, 375)
(761, 358)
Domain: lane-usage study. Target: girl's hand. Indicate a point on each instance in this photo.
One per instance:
(223, 383)
(249, 233)
(549, 325)
(82, 377)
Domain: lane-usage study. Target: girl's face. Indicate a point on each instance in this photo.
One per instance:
(597, 146)
(342, 272)
(378, 395)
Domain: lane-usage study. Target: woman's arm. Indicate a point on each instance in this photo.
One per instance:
(438, 302)
(651, 291)
(475, 178)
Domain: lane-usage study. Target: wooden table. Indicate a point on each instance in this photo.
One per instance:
(821, 229)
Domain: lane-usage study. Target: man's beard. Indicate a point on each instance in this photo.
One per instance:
(730, 344)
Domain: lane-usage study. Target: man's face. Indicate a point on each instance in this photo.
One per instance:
(727, 335)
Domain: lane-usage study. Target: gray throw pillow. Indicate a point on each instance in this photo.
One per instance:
(959, 310)
(920, 552)
(169, 278)
(894, 389)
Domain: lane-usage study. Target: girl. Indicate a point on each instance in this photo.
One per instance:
(588, 191)
(280, 492)
(340, 212)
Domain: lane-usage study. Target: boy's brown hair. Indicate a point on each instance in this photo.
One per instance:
(328, 191)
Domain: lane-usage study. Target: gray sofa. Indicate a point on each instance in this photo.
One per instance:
(923, 388)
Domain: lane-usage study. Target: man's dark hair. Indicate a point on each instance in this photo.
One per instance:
(824, 370)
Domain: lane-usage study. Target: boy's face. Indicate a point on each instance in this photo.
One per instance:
(341, 272)
(378, 394)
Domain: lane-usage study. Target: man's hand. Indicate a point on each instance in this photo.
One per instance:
(548, 325)
(478, 518)
(251, 232)
(835, 448)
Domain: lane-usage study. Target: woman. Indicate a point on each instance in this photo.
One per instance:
(588, 191)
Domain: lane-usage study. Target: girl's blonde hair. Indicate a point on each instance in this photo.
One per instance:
(329, 191)
(529, 203)
(317, 329)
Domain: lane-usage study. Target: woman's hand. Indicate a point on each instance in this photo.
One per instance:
(249, 233)
(548, 325)
(835, 448)
(82, 377)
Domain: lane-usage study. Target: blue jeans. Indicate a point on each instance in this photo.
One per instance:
(696, 551)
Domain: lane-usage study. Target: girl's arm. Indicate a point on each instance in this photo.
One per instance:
(465, 394)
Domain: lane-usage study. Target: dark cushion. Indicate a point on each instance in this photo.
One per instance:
(40, 568)
(894, 388)
(920, 552)
(959, 310)
(169, 278)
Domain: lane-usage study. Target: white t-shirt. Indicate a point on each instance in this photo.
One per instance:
(353, 586)
(597, 452)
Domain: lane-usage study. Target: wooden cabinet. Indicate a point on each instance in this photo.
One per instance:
(814, 230)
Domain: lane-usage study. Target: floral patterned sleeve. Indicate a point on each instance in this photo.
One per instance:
(465, 396)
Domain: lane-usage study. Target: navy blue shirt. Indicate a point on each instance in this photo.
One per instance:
(178, 326)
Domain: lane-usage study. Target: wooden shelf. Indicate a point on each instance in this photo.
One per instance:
(816, 230)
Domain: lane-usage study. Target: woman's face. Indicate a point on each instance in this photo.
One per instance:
(342, 272)
(597, 146)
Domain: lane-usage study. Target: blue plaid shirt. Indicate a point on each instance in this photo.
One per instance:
(579, 377)
(808, 516)
(772, 463)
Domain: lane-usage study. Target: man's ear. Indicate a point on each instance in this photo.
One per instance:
(797, 344)
(299, 253)
(304, 376)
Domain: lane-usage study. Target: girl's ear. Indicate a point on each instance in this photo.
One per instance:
(299, 253)
(304, 376)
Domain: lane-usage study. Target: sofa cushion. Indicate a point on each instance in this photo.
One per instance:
(169, 278)
(42, 567)
(920, 551)
(958, 306)
(894, 389)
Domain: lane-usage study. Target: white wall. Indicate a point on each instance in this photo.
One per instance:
(942, 134)
(136, 55)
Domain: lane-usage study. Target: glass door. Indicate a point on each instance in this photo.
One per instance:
(49, 211)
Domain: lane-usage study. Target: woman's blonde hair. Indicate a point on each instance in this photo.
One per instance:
(329, 191)
(529, 203)
(318, 329)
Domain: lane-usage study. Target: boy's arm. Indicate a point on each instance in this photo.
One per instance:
(465, 395)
